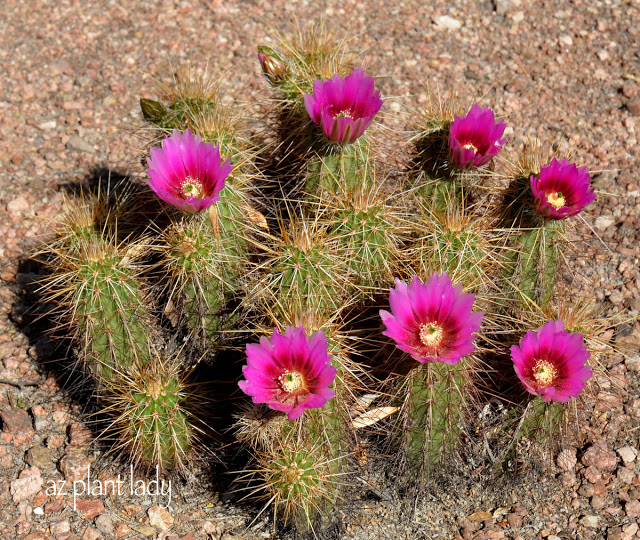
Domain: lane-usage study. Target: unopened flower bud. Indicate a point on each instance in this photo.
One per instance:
(274, 69)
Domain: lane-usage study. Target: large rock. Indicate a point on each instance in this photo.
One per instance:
(600, 456)
(26, 485)
(15, 421)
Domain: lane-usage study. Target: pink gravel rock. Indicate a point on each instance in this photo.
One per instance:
(567, 459)
(625, 476)
(633, 409)
(89, 509)
(90, 534)
(632, 509)
(514, 520)
(26, 485)
(160, 518)
(628, 454)
(592, 474)
(600, 456)
(58, 528)
(122, 530)
(586, 489)
(75, 467)
(591, 522)
(18, 206)
(132, 509)
(15, 421)
(37, 535)
(633, 105)
(41, 457)
(104, 523)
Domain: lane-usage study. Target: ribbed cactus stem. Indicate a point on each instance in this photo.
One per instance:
(110, 314)
(205, 254)
(177, 115)
(159, 425)
(536, 264)
(306, 275)
(368, 239)
(542, 420)
(295, 478)
(550, 266)
(327, 429)
(339, 168)
(435, 415)
(148, 404)
(434, 182)
(442, 193)
(322, 442)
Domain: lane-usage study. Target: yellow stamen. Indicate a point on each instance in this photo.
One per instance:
(470, 146)
(291, 381)
(343, 114)
(544, 373)
(191, 187)
(431, 334)
(556, 199)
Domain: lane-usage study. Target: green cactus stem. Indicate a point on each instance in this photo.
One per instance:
(97, 286)
(368, 244)
(534, 263)
(205, 255)
(457, 242)
(151, 422)
(305, 272)
(339, 168)
(433, 416)
(541, 421)
(297, 481)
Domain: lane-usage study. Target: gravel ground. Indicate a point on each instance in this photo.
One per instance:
(71, 75)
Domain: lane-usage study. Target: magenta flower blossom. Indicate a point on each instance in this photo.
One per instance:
(290, 372)
(432, 321)
(343, 107)
(186, 172)
(474, 139)
(551, 362)
(561, 190)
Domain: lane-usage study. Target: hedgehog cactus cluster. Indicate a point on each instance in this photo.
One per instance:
(358, 295)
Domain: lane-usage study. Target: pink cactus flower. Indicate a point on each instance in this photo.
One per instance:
(551, 362)
(289, 372)
(432, 321)
(475, 138)
(186, 172)
(343, 107)
(561, 190)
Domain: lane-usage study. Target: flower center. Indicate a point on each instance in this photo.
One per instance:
(191, 187)
(556, 199)
(431, 334)
(544, 373)
(344, 114)
(291, 381)
(470, 146)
